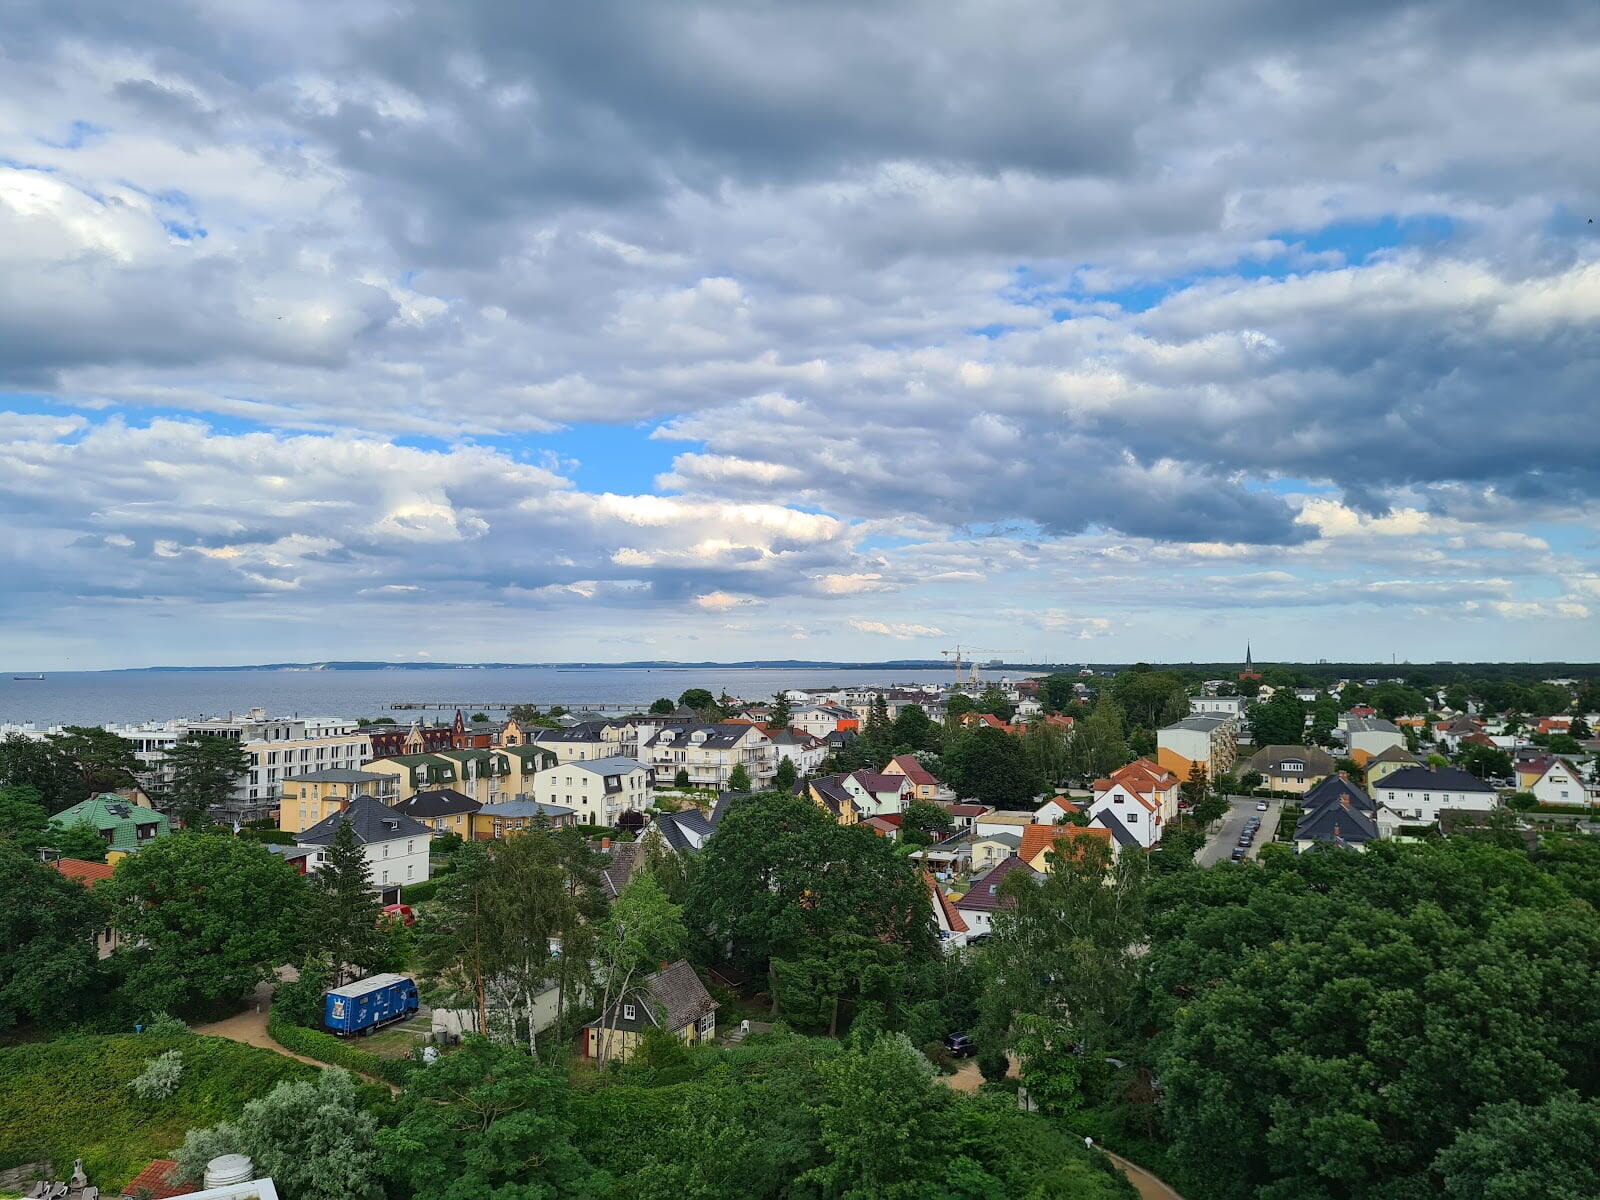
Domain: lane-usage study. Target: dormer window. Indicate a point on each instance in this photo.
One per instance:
(628, 1012)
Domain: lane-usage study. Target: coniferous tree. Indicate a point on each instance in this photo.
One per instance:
(787, 776)
(205, 771)
(780, 711)
(348, 912)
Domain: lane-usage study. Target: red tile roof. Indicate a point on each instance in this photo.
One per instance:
(951, 916)
(1037, 838)
(83, 871)
(966, 810)
(912, 770)
(160, 1180)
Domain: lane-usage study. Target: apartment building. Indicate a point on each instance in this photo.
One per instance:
(709, 754)
(599, 790)
(313, 797)
(1367, 737)
(1211, 741)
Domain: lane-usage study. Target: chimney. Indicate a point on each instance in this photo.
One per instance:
(1344, 802)
(605, 843)
(665, 965)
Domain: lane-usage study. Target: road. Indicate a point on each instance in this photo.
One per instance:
(1220, 845)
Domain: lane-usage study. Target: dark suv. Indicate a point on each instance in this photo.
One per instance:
(959, 1045)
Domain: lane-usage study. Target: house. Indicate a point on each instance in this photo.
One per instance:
(395, 845)
(672, 998)
(1450, 734)
(509, 817)
(1217, 706)
(585, 740)
(1212, 742)
(923, 785)
(1416, 794)
(951, 856)
(1041, 844)
(1562, 783)
(1337, 813)
(1369, 736)
(964, 814)
(90, 873)
(443, 810)
(947, 920)
(1054, 809)
(999, 820)
(623, 861)
(391, 741)
(1291, 768)
(876, 794)
(124, 826)
(1143, 797)
(684, 831)
(806, 751)
(472, 735)
(819, 720)
(987, 849)
(832, 796)
(598, 790)
(1388, 762)
(1528, 767)
(982, 900)
(411, 773)
(887, 826)
(709, 754)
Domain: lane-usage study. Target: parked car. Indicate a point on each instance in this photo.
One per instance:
(1262, 806)
(1238, 854)
(959, 1045)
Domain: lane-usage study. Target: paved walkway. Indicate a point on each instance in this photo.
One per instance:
(1146, 1184)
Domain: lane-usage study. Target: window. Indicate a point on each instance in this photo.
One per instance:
(627, 1012)
(410, 870)
(1133, 818)
(410, 846)
(386, 877)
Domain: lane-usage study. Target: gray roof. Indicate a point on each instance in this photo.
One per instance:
(523, 808)
(1330, 792)
(671, 998)
(1445, 779)
(584, 731)
(338, 775)
(1315, 762)
(370, 818)
(1394, 754)
(1370, 725)
(437, 802)
(626, 858)
(722, 736)
(1012, 840)
(615, 765)
(684, 831)
(1336, 823)
(1204, 724)
(1109, 820)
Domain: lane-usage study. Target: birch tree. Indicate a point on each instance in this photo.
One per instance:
(644, 930)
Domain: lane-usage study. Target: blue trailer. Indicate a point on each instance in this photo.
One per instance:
(368, 1004)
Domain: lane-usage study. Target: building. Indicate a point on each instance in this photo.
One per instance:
(947, 920)
(1291, 768)
(806, 751)
(391, 741)
(1416, 794)
(1217, 706)
(1450, 734)
(672, 998)
(708, 754)
(395, 845)
(125, 826)
(986, 849)
(1209, 742)
(1041, 844)
(983, 899)
(310, 798)
(877, 794)
(90, 873)
(586, 740)
(923, 785)
(832, 797)
(1140, 798)
(819, 720)
(598, 790)
(1387, 763)
(1369, 736)
(443, 810)
(1337, 813)
(1001, 820)
(1562, 783)
(509, 817)
(1054, 809)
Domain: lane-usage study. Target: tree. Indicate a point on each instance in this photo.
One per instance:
(41, 765)
(1045, 747)
(1324, 720)
(529, 714)
(23, 822)
(314, 1139)
(486, 1121)
(680, 778)
(923, 823)
(1146, 696)
(1486, 762)
(992, 767)
(206, 919)
(780, 710)
(204, 772)
(452, 949)
(1098, 747)
(1579, 729)
(49, 970)
(698, 699)
(914, 730)
(786, 776)
(345, 911)
(995, 702)
(1281, 721)
(644, 930)
(959, 705)
(102, 760)
(661, 707)
(1194, 788)
(1526, 1152)
(1250, 781)
(81, 841)
(738, 779)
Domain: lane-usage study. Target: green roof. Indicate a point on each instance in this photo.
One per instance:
(109, 813)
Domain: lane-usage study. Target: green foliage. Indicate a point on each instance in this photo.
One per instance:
(738, 779)
(994, 702)
(1280, 721)
(416, 893)
(1522, 801)
(345, 913)
(1388, 997)
(71, 1097)
(100, 760)
(1548, 1151)
(923, 823)
(336, 1052)
(1098, 746)
(914, 730)
(786, 776)
(1486, 762)
(200, 1146)
(1150, 698)
(160, 1076)
(662, 706)
(1250, 781)
(681, 778)
(207, 918)
(698, 699)
(300, 1002)
(780, 711)
(49, 971)
(486, 1120)
(992, 767)
(204, 771)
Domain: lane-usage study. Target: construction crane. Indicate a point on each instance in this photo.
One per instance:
(954, 656)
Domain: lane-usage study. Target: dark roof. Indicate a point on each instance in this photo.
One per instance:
(831, 791)
(984, 894)
(1458, 725)
(722, 736)
(875, 782)
(617, 764)
(1445, 779)
(1397, 754)
(521, 806)
(438, 802)
(1109, 820)
(1336, 823)
(1331, 791)
(671, 998)
(585, 731)
(370, 818)
(1317, 762)
(626, 858)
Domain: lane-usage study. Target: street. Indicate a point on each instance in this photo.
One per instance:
(1219, 846)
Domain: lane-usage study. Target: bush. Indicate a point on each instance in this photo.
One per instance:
(993, 1064)
(416, 893)
(326, 1048)
(160, 1077)
(300, 1002)
(200, 1146)
(163, 1024)
(1522, 801)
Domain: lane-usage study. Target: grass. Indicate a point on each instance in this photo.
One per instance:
(393, 1043)
(69, 1098)
(1288, 818)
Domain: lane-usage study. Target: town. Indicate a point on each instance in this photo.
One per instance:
(959, 889)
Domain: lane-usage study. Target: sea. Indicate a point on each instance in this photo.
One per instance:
(118, 697)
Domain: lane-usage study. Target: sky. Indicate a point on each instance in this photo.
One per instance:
(511, 330)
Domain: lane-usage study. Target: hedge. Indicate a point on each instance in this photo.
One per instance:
(416, 893)
(324, 1047)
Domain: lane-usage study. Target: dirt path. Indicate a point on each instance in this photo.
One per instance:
(1146, 1184)
(250, 1027)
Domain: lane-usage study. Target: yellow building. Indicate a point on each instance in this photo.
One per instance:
(1387, 762)
(1294, 769)
(829, 794)
(309, 798)
(673, 999)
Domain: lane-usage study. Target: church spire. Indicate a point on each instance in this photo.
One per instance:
(1247, 661)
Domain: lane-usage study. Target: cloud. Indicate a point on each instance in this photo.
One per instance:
(895, 629)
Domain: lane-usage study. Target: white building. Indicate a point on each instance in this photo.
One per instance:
(804, 750)
(395, 845)
(708, 754)
(1563, 783)
(599, 790)
(819, 720)
(1416, 794)
(1217, 706)
(1135, 802)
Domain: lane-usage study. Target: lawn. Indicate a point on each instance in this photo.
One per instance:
(69, 1098)
(393, 1043)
